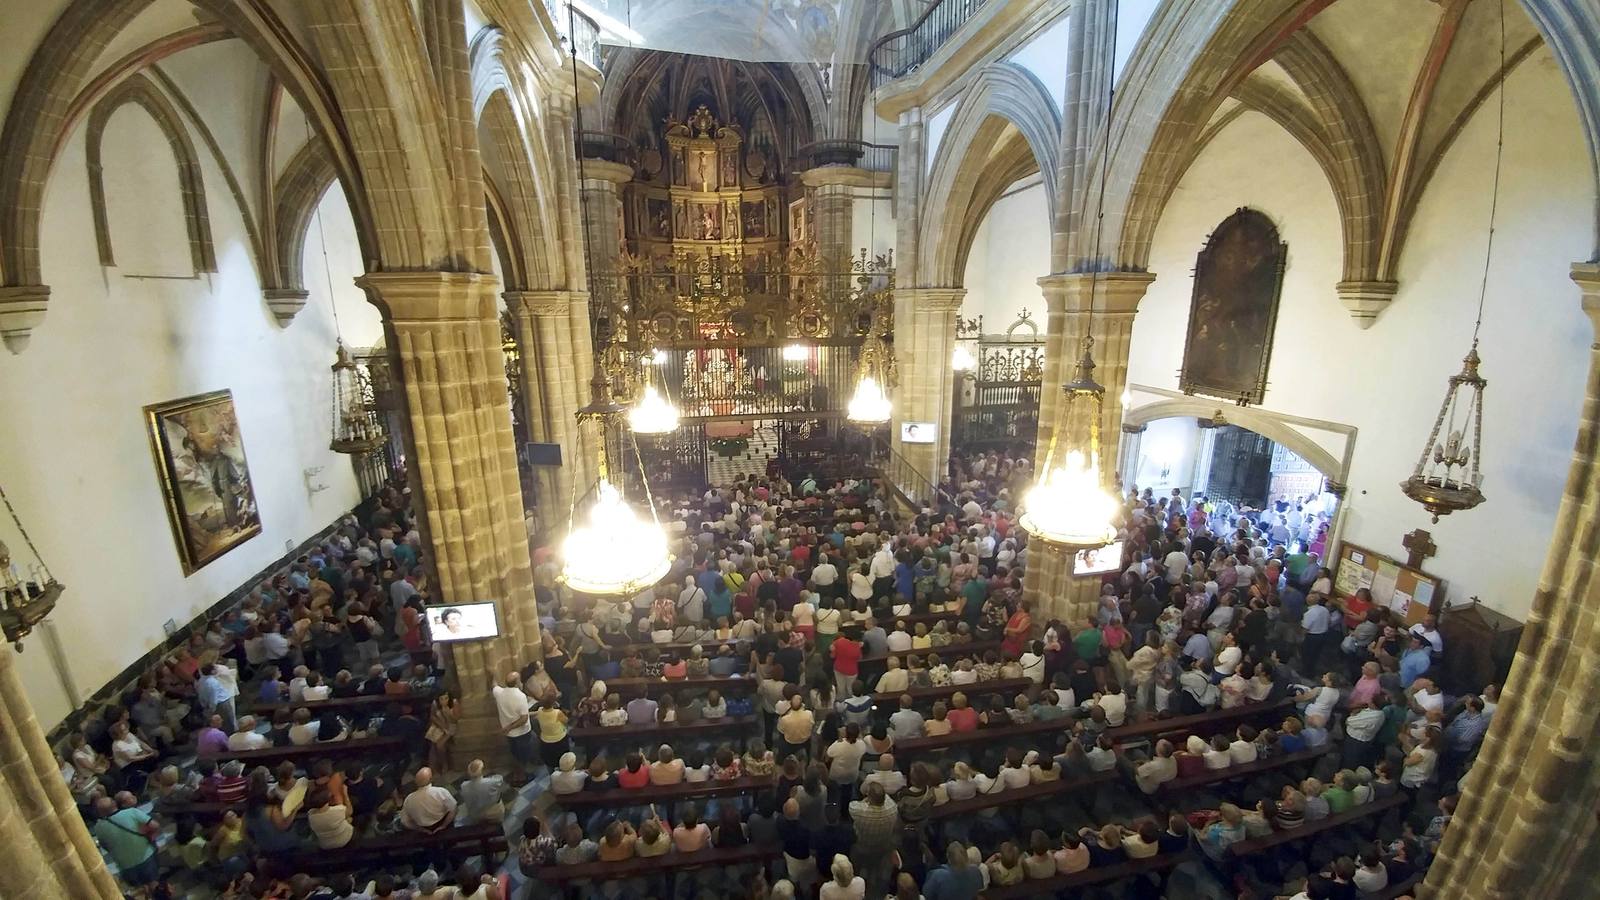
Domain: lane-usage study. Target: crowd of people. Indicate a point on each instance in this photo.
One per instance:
(840, 631)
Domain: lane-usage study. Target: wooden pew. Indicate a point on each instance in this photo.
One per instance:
(1348, 817)
(911, 620)
(486, 839)
(669, 733)
(1203, 724)
(905, 751)
(670, 862)
(1045, 887)
(947, 654)
(376, 703)
(1247, 770)
(1005, 687)
(1029, 794)
(1399, 888)
(655, 687)
(664, 793)
(303, 756)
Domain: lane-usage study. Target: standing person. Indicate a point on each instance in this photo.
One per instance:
(443, 719)
(1019, 627)
(846, 663)
(512, 705)
(216, 690)
(1315, 622)
(553, 738)
(128, 836)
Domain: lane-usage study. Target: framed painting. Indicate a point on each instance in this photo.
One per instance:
(1238, 278)
(199, 454)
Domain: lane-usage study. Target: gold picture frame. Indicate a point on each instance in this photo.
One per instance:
(205, 480)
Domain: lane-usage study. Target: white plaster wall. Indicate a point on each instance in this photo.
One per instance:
(144, 209)
(1010, 253)
(1168, 445)
(229, 89)
(1388, 381)
(1045, 55)
(74, 456)
(1132, 17)
(359, 322)
(933, 134)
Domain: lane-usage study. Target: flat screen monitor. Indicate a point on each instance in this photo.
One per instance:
(1099, 561)
(543, 454)
(463, 622)
(919, 432)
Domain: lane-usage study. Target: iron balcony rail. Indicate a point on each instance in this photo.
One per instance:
(872, 157)
(901, 52)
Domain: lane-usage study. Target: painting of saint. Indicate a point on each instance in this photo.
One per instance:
(205, 481)
(797, 222)
(680, 218)
(677, 167)
(730, 168)
(755, 219)
(1238, 278)
(660, 224)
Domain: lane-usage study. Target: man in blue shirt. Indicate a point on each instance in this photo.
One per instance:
(1415, 661)
(126, 834)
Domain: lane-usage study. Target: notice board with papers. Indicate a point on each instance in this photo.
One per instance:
(1410, 593)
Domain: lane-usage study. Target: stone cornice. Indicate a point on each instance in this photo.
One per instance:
(850, 176)
(606, 170)
(422, 297)
(21, 311)
(1115, 292)
(544, 304)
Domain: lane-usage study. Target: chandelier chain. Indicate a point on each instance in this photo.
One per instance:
(17, 521)
(327, 276)
(1494, 193)
(577, 144)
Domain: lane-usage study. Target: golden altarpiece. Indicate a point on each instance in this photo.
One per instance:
(720, 298)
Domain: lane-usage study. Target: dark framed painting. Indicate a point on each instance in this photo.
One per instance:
(1238, 278)
(205, 481)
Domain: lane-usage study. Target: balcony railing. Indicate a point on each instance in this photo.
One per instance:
(608, 146)
(872, 157)
(575, 27)
(901, 52)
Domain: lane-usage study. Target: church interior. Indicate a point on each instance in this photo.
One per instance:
(816, 448)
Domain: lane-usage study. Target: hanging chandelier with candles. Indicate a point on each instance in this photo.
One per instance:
(1068, 506)
(28, 594)
(875, 373)
(357, 427)
(1449, 474)
(653, 413)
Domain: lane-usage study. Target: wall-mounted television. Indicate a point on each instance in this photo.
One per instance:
(1099, 560)
(463, 622)
(542, 454)
(919, 432)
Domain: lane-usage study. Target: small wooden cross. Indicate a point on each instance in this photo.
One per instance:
(1419, 546)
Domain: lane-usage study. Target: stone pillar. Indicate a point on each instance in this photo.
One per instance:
(833, 190)
(924, 340)
(1128, 454)
(545, 322)
(446, 345)
(45, 849)
(1116, 299)
(602, 211)
(1526, 823)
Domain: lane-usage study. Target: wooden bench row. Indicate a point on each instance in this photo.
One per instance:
(669, 732)
(367, 703)
(1217, 776)
(664, 793)
(384, 747)
(672, 861)
(1200, 723)
(1043, 887)
(1006, 687)
(486, 839)
(1339, 820)
(1029, 794)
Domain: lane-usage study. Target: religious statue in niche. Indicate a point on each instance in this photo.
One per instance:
(730, 219)
(774, 217)
(677, 167)
(1238, 278)
(730, 168)
(710, 222)
(755, 219)
(680, 218)
(704, 172)
(660, 225)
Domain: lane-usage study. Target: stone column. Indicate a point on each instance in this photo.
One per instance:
(833, 190)
(1526, 823)
(446, 345)
(602, 211)
(1128, 453)
(924, 340)
(45, 849)
(1116, 299)
(552, 392)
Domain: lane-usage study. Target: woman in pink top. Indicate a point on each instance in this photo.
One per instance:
(962, 717)
(691, 834)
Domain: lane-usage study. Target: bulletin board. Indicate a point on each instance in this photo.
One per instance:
(1410, 593)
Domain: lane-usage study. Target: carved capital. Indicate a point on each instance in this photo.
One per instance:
(933, 299)
(845, 177)
(543, 304)
(1366, 299)
(431, 296)
(21, 311)
(285, 303)
(1587, 277)
(1114, 292)
(606, 171)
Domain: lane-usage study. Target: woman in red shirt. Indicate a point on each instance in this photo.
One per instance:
(846, 663)
(961, 716)
(634, 773)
